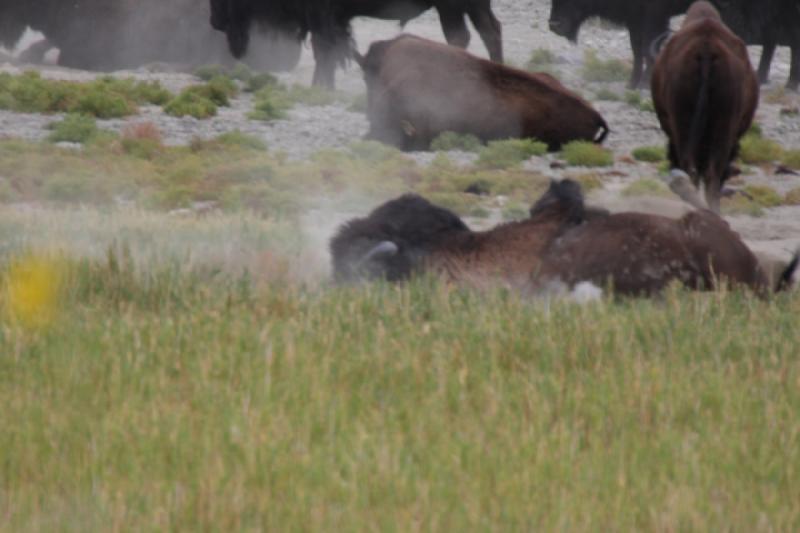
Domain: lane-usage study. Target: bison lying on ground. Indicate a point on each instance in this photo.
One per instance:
(705, 94)
(328, 22)
(562, 243)
(769, 23)
(645, 20)
(417, 89)
(116, 34)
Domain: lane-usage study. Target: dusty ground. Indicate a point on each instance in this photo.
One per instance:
(524, 29)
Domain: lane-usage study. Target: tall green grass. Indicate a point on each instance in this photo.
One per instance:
(168, 398)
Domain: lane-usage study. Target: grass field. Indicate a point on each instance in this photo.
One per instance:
(159, 395)
(168, 369)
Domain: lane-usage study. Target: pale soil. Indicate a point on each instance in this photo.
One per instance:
(309, 129)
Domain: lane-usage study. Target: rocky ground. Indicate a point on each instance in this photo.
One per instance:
(309, 129)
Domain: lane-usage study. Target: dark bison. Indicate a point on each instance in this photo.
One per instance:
(116, 34)
(769, 23)
(417, 89)
(705, 94)
(328, 23)
(561, 243)
(645, 20)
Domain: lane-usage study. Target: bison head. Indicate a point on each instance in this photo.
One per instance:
(234, 18)
(392, 242)
(566, 17)
(219, 14)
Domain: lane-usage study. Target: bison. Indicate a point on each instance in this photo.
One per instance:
(562, 243)
(417, 89)
(705, 94)
(645, 20)
(769, 23)
(110, 35)
(328, 23)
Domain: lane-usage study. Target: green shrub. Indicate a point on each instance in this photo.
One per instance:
(241, 72)
(259, 81)
(596, 69)
(791, 158)
(588, 182)
(792, 197)
(739, 204)
(607, 95)
(515, 211)
(633, 98)
(509, 153)
(542, 61)
(450, 140)
(104, 104)
(647, 106)
(140, 92)
(105, 97)
(373, 151)
(242, 140)
(206, 72)
(191, 103)
(756, 150)
(647, 187)
(220, 89)
(586, 154)
(74, 128)
(541, 57)
(755, 130)
(141, 147)
(649, 154)
(763, 195)
(270, 104)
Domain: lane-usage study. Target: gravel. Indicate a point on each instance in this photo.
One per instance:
(309, 129)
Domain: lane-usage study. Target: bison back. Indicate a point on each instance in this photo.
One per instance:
(433, 88)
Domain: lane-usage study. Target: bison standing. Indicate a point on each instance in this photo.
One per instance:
(769, 23)
(645, 20)
(117, 34)
(705, 93)
(417, 89)
(328, 23)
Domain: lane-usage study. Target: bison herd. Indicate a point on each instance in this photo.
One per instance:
(704, 89)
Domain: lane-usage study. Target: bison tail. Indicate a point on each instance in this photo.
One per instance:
(658, 44)
(603, 132)
(785, 280)
(700, 115)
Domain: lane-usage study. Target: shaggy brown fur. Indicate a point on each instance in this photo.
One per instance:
(705, 93)
(638, 253)
(418, 89)
(561, 244)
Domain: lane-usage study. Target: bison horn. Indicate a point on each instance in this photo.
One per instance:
(381, 250)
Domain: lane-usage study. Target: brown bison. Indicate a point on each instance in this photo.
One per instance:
(328, 23)
(417, 89)
(705, 93)
(561, 243)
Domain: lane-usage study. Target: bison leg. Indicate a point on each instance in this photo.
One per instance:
(767, 52)
(325, 53)
(636, 37)
(794, 73)
(454, 27)
(489, 29)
